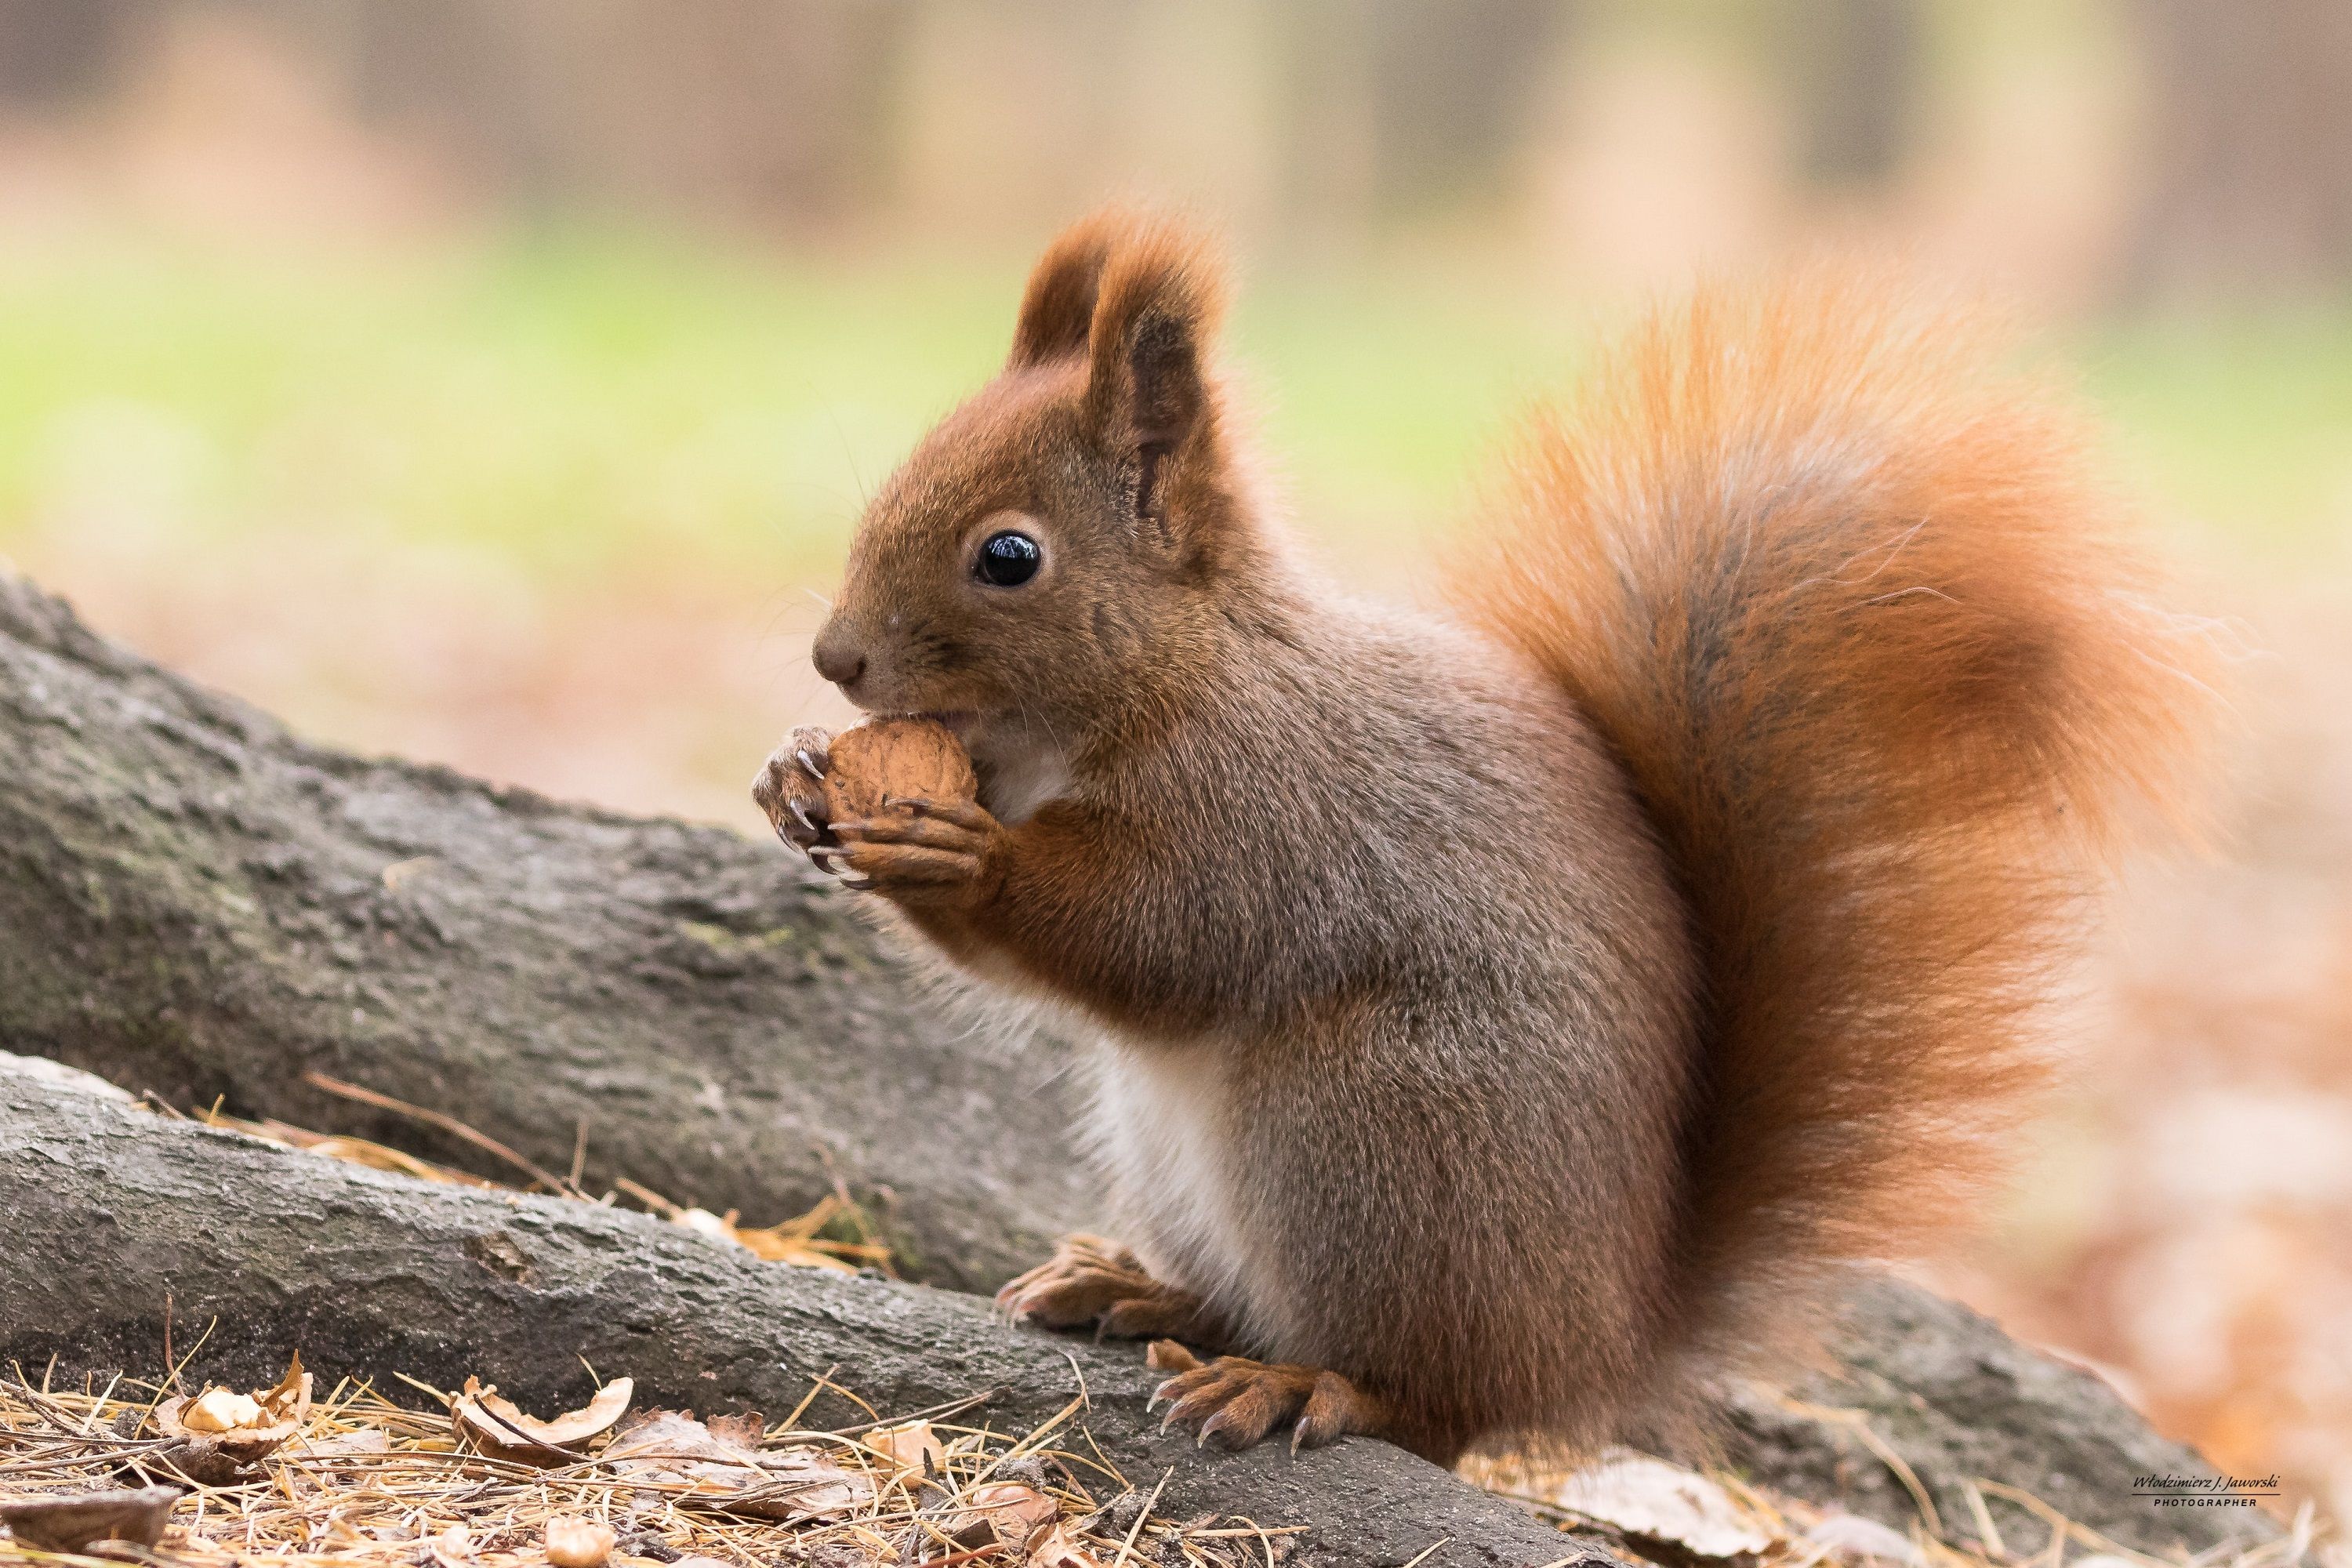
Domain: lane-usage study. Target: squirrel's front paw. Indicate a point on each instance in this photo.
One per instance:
(916, 851)
(791, 788)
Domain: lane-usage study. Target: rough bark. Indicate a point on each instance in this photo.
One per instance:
(113, 1207)
(194, 902)
(1958, 1401)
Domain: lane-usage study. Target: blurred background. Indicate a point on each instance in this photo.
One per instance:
(497, 381)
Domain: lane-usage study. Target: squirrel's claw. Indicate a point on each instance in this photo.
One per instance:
(828, 857)
(940, 856)
(1238, 1402)
(789, 793)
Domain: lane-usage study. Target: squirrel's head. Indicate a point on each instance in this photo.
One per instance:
(1063, 539)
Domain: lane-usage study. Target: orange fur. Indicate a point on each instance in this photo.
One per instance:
(1855, 614)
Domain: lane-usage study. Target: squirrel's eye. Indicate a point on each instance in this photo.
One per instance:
(1007, 559)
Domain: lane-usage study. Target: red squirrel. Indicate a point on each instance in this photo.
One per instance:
(1504, 1024)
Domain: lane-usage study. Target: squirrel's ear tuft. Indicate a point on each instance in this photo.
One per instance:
(1057, 308)
(1158, 303)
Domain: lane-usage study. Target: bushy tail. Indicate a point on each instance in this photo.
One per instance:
(1854, 610)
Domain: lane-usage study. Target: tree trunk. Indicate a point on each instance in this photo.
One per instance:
(195, 903)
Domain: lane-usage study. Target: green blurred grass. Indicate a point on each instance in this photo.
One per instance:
(586, 404)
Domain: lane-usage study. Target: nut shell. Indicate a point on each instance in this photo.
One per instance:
(576, 1542)
(909, 759)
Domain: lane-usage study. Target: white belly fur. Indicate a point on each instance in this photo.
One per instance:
(1158, 1130)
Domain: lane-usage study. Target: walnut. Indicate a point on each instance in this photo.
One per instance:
(909, 759)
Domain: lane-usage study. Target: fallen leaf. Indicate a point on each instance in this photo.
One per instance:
(913, 1447)
(495, 1425)
(290, 1400)
(378, 1157)
(1649, 1497)
(1002, 1513)
(719, 1465)
(358, 1443)
(745, 1429)
(222, 1425)
(73, 1520)
(1059, 1548)
(576, 1542)
(786, 1243)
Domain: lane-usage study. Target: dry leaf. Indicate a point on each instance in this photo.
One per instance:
(75, 1520)
(576, 1542)
(1059, 1548)
(359, 1442)
(1006, 1513)
(494, 1425)
(778, 1244)
(289, 1401)
(1659, 1502)
(718, 1465)
(913, 1447)
(222, 1425)
(379, 1157)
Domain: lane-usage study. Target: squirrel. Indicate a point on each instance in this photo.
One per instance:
(1508, 1022)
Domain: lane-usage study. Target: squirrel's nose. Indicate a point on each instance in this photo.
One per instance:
(837, 659)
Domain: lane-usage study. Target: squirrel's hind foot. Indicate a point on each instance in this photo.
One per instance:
(1236, 1402)
(1090, 1282)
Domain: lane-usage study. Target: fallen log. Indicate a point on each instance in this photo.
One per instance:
(261, 1250)
(194, 902)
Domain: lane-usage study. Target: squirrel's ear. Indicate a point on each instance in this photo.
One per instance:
(1156, 307)
(1057, 308)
